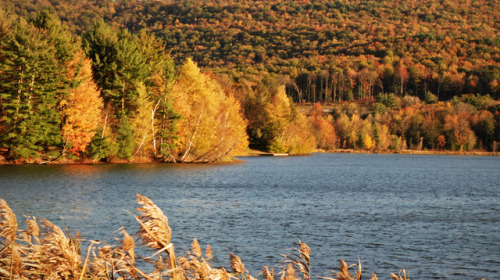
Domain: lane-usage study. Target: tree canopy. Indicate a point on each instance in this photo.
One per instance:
(97, 80)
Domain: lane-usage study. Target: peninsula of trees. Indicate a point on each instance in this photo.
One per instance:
(199, 81)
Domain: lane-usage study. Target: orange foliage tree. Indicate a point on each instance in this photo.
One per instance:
(460, 132)
(82, 109)
(323, 129)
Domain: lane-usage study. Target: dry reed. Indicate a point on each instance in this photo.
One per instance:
(401, 276)
(208, 253)
(268, 274)
(8, 222)
(59, 254)
(236, 264)
(128, 245)
(32, 231)
(50, 253)
(155, 231)
(196, 248)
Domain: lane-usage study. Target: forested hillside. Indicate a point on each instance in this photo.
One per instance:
(329, 50)
(199, 81)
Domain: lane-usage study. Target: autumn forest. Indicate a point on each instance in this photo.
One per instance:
(202, 81)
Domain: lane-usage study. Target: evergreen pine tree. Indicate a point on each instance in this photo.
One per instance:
(34, 61)
(125, 138)
(30, 89)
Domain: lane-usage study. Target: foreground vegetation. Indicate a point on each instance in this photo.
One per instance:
(47, 252)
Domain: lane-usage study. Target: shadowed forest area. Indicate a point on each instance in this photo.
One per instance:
(200, 81)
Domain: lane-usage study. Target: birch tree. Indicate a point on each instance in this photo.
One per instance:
(211, 127)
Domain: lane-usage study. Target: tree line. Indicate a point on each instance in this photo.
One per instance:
(471, 122)
(110, 94)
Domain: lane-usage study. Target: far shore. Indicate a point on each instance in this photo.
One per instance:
(256, 153)
(253, 153)
(417, 152)
(406, 152)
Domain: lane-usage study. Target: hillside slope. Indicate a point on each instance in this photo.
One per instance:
(330, 50)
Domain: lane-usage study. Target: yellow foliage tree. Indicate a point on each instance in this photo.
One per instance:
(384, 137)
(292, 129)
(143, 123)
(280, 115)
(298, 138)
(211, 127)
(368, 142)
(82, 109)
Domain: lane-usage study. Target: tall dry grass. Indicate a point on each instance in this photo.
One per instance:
(48, 252)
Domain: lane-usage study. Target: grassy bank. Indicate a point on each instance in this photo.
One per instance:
(48, 252)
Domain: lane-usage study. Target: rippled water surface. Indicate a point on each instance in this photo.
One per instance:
(435, 216)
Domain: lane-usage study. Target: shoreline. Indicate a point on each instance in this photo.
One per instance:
(256, 153)
(413, 152)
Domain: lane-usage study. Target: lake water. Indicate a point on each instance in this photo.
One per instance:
(438, 217)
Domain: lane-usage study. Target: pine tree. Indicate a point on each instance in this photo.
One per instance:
(125, 138)
(124, 65)
(31, 86)
(118, 64)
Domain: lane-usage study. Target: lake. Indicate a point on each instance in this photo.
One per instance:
(438, 217)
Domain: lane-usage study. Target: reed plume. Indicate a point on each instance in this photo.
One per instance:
(400, 276)
(303, 260)
(236, 264)
(10, 256)
(33, 230)
(289, 273)
(8, 222)
(102, 263)
(198, 269)
(154, 232)
(250, 277)
(184, 262)
(128, 245)
(16, 262)
(60, 257)
(268, 275)
(208, 253)
(196, 248)
(344, 273)
(219, 274)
